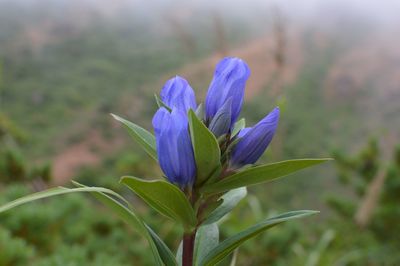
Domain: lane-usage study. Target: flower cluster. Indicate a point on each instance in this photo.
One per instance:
(221, 111)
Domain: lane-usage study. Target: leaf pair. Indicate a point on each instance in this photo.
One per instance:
(208, 156)
(170, 200)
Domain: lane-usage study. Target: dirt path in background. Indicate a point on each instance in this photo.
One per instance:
(70, 160)
(85, 153)
(258, 54)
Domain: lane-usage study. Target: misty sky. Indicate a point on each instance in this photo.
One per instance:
(383, 11)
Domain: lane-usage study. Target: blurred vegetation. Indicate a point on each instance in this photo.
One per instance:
(371, 208)
(57, 89)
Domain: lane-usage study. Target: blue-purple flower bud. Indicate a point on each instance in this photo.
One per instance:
(255, 140)
(229, 81)
(178, 94)
(174, 147)
(221, 122)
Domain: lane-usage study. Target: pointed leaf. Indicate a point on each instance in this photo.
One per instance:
(164, 197)
(260, 174)
(205, 146)
(207, 238)
(239, 125)
(231, 243)
(165, 253)
(54, 192)
(140, 135)
(230, 200)
(160, 103)
(200, 111)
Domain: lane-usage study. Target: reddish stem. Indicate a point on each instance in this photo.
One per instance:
(188, 248)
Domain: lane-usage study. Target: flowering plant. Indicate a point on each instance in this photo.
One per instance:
(207, 156)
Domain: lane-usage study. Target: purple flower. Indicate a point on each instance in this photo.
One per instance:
(178, 94)
(229, 81)
(174, 147)
(254, 140)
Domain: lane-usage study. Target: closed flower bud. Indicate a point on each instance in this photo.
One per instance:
(178, 94)
(174, 147)
(254, 141)
(229, 81)
(221, 122)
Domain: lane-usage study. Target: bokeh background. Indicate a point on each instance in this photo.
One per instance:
(332, 66)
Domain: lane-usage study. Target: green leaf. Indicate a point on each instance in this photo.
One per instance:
(231, 243)
(179, 252)
(207, 238)
(239, 125)
(214, 175)
(209, 208)
(260, 174)
(160, 103)
(54, 192)
(140, 135)
(165, 253)
(162, 254)
(200, 111)
(164, 197)
(230, 200)
(206, 149)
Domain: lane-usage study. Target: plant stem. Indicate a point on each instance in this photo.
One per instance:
(188, 248)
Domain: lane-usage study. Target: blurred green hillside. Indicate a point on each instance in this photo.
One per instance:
(64, 66)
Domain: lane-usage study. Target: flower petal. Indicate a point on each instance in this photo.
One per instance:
(174, 147)
(177, 93)
(229, 81)
(255, 140)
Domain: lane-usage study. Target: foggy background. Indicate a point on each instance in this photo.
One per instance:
(332, 66)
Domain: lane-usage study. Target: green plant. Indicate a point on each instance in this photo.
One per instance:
(208, 158)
